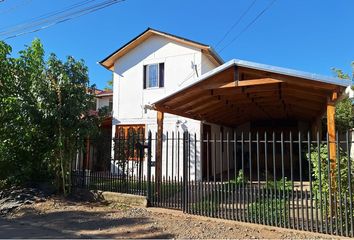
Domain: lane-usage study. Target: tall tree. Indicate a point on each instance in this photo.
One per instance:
(45, 115)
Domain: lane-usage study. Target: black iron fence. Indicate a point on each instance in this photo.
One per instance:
(297, 181)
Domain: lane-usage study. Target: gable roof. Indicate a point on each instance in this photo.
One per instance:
(108, 62)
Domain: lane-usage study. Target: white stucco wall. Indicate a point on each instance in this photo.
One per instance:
(206, 65)
(130, 97)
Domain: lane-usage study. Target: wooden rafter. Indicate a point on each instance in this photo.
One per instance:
(241, 83)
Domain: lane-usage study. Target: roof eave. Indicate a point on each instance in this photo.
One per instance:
(108, 65)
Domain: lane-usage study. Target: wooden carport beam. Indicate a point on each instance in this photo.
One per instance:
(243, 83)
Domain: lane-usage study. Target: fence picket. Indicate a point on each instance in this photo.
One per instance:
(250, 177)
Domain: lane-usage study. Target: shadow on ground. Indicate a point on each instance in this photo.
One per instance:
(78, 224)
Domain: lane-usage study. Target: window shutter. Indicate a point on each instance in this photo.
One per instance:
(161, 75)
(144, 78)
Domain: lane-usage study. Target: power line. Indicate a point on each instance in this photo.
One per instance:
(55, 18)
(47, 15)
(189, 76)
(13, 8)
(236, 23)
(249, 25)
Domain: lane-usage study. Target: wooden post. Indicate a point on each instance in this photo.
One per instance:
(331, 128)
(158, 162)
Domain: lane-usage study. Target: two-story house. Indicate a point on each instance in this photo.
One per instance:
(149, 67)
(193, 89)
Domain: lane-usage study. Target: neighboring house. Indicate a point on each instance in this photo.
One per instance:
(96, 155)
(104, 98)
(174, 75)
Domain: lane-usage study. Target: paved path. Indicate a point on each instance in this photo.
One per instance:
(15, 229)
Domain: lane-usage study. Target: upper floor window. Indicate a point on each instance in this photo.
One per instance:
(154, 75)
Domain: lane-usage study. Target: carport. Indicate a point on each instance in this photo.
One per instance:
(241, 91)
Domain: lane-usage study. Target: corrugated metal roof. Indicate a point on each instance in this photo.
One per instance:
(292, 72)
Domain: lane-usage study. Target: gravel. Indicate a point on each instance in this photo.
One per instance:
(102, 220)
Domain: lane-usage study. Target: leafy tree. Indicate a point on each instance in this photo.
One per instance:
(344, 115)
(109, 85)
(45, 115)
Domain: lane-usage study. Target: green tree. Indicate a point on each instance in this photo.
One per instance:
(45, 115)
(344, 108)
(109, 85)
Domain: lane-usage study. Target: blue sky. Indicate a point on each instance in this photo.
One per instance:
(312, 36)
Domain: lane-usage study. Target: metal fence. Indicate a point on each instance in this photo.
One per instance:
(280, 179)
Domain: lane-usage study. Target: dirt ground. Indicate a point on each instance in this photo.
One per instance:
(59, 218)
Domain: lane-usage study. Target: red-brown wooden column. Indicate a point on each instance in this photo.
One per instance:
(331, 128)
(158, 162)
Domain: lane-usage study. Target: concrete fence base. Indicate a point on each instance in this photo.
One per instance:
(112, 197)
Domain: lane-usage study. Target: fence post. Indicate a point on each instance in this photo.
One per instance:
(83, 178)
(148, 193)
(185, 172)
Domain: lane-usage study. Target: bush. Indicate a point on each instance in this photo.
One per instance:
(240, 179)
(320, 167)
(280, 185)
(269, 210)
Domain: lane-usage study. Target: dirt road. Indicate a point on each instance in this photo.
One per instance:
(58, 218)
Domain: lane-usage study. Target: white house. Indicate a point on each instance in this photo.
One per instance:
(149, 67)
(198, 92)
(104, 98)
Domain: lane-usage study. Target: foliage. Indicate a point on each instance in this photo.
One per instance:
(240, 179)
(322, 179)
(279, 185)
(320, 170)
(44, 114)
(272, 210)
(109, 85)
(344, 115)
(340, 74)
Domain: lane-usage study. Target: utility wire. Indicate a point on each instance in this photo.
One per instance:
(249, 25)
(13, 8)
(236, 23)
(50, 17)
(189, 76)
(53, 19)
(47, 15)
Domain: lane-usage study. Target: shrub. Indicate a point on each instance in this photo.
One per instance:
(340, 187)
(239, 179)
(280, 185)
(271, 210)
